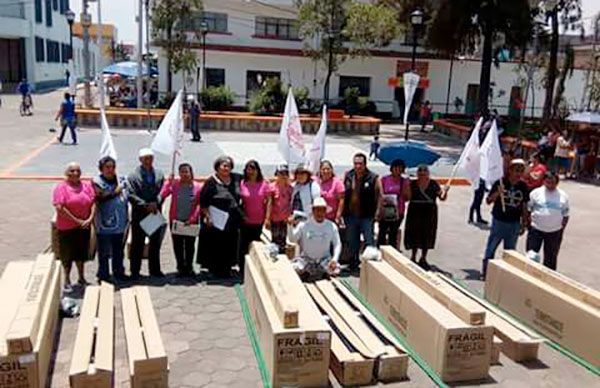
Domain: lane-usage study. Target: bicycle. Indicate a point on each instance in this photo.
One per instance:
(25, 107)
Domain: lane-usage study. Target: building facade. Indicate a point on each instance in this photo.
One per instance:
(34, 43)
(109, 40)
(249, 40)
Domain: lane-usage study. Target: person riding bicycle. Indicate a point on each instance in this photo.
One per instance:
(25, 89)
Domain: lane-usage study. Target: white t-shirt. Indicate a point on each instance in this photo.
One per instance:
(316, 239)
(562, 147)
(307, 192)
(548, 208)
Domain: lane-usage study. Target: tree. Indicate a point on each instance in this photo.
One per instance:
(565, 14)
(468, 26)
(334, 30)
(566, 71)
(172, 21)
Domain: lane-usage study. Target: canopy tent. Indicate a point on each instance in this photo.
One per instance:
(129, 69)
(586, 117)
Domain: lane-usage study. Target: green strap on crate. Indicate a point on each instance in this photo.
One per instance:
(414, 355)
(553, 344)
(253, 336)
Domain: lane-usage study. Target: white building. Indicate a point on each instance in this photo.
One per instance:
(252, 39)
(34, 43)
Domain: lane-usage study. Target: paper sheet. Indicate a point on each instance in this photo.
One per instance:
(218, 217)
(152, 222)
(180, 228)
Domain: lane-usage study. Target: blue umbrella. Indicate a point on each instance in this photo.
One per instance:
(128, 69)
(412, 152)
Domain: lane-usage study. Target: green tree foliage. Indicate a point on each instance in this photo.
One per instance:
(270, 98)
(170, 22)
(217, 98)
(334, 30)
(469, 26)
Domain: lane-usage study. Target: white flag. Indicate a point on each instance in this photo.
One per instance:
(411, 81)
(290, 142)
(469, 160)
(492, 166)
(317, 150)
(170, 132)
(107, 148)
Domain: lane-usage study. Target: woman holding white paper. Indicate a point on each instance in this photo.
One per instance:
(183, 213)
(219, 241)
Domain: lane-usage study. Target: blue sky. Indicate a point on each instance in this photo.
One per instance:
(122, 14)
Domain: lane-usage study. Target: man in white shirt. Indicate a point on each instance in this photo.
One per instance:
(317, 238)
(549, 214)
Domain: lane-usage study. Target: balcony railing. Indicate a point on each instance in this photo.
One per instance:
(12, 10)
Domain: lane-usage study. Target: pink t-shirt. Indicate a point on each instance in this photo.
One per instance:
(281, 208)
(78, 200)
(394, 186)
(331, 192)
(254, 197)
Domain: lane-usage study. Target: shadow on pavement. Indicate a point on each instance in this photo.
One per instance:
(472, 274)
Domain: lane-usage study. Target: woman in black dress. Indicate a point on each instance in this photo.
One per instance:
(218, 249)
(422, 216)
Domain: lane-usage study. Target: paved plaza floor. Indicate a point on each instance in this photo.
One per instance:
(201, 322)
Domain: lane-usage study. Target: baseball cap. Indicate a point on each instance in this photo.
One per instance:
(319, 202)
(282, 168)
(145, 152)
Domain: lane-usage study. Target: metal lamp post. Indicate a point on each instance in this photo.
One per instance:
(416, 21)
(204, 31)
(70, 15)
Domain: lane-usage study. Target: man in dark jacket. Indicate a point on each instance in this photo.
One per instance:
(361, 199)
(145, 184)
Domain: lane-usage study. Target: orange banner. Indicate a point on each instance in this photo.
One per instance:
(421, 68)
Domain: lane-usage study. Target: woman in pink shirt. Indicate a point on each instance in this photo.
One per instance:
(255, 193)
(396, 191)
(281, 206)
(75, 209)
(185, 207)
(332, 190)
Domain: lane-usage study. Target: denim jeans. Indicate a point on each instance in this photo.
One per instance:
(110, 246)
(356, 226)
(507, 232)
(71, 124)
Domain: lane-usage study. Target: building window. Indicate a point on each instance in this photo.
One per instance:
(215, 22)
(39, 49)
(38, 11)
(48, 13)
(65, 52)
(64, 6)
(362, 83)
(256, 78)
(275, 28)
(215, 77)
(52, 51)
(55, 5)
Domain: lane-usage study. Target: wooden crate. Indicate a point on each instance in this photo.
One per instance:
(92, 365)
(148, 362)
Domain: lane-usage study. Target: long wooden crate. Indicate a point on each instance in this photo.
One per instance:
(28, 369)
(569, 321)
(516, 343)
(554, 279)
(462, 306)
(297, 356)
(148, 362)
(455, 350)
(93, 352)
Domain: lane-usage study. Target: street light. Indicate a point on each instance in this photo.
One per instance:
(416, 21)
(70, 15)
(204, 31)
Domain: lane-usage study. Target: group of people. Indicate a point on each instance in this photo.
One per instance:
(325, 215)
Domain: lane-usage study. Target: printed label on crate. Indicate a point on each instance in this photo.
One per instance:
(301, 349)
(13, 374)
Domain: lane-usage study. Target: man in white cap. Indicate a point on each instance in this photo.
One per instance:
(319, 242)
(145, 183)
(509, 213)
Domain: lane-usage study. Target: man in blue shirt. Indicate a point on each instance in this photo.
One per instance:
(66, 113)
(25, 90)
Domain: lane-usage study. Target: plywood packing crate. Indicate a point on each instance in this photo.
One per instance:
(296, 357)
(562, 318)
(461, 305)
(552, 278)
(148, 363)
(454, 349)
(27, 369)
(93, 352)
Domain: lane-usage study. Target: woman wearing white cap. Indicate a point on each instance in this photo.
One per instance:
(145, 183)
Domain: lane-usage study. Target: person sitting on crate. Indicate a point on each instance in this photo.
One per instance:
(317, 238)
